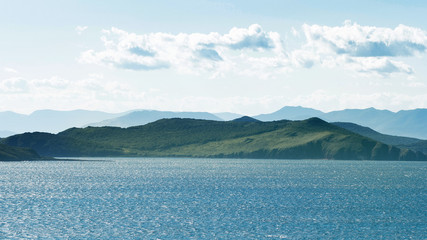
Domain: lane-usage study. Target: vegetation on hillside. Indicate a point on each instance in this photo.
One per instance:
(10, 153)
(309, 139)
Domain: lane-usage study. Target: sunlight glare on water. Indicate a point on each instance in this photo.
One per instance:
(160, 198)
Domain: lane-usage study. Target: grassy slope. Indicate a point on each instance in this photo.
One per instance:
(312, 138)
(10, 153)
(300, 139)
(168, 133)
(48, 144)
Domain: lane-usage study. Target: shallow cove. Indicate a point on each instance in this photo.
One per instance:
(183, 198)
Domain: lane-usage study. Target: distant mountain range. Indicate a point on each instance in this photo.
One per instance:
(49, 120)
(384, 138)
(6, 134)
(242, 138)
(146, 116)
(227, 116)
(52, 121)
(402, 142)
(408, 123)
(417, 146)
(290, 113)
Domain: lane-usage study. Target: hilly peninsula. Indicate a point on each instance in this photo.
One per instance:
(243, 138)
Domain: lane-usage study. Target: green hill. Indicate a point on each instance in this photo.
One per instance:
(48, 144)
(10, 153)
(413, 144)
(309, 139)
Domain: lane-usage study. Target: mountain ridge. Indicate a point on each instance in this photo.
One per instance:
(49, 120)
(142, 117)
(290, 113)
(305, 139)
(409, 123)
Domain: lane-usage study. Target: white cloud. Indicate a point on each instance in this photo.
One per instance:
(364, 49)
(190, 53)
(13, 85)
(366, 41)
(81, 29)
(23, 85)
(95, 92)
(413, 83)
(52, 82)
(377, 65)
(254, 38)
(303, 58)
(10, 70)
(96, 75)
(295, 32)
(55, 92)
(252, 51)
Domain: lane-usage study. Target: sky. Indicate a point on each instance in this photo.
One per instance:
(247, 57)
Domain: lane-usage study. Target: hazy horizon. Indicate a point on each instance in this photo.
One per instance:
(134, 110)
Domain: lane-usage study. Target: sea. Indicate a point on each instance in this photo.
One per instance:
(187, 198)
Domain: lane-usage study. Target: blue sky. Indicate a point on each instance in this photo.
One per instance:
(247, 57)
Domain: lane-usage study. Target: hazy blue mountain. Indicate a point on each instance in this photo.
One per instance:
(147, 116)
(10, 121)
(409, 123)
(418, 146)
(227, 116)
(11, 115)
(290, 113)
(369, 117)
(50, 120)
(369, 132)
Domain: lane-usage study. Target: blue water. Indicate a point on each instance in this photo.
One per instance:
(213, 199)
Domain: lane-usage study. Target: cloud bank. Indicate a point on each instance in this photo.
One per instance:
(365, 49)
(91, 92)
(184, 52)
(253, 51)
